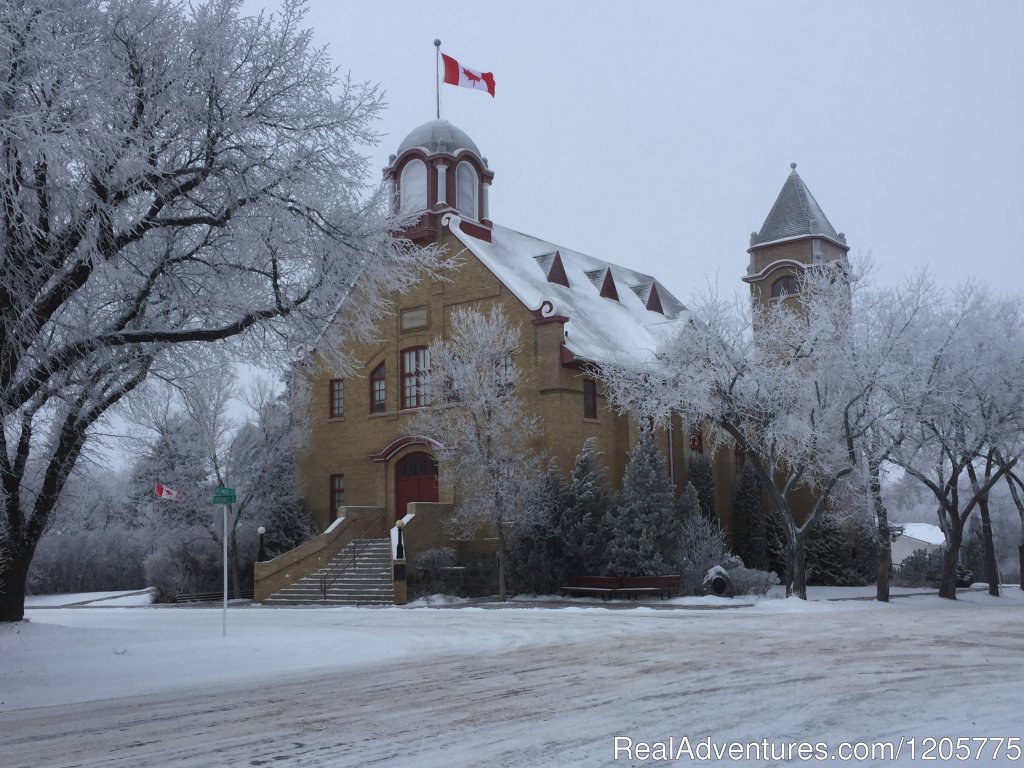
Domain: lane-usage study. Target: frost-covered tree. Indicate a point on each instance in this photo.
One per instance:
(1016, 485)
(762, 376)
(643, 527)
(969, 401)
(202, 445)
(583, 527)
(703, 479)
(482, 433)
(171, 174)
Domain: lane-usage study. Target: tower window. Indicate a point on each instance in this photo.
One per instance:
(466, 188)
(377, 390)
(785, 286)
(413, 187)
(415, 367)
(337, 398)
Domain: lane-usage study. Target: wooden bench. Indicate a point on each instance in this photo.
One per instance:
(630, 587)
(588, 586)
(663, 586)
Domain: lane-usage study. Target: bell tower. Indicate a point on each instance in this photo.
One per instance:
(438, 169)
(796, 235)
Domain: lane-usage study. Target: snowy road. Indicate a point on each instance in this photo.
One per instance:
(566, 683)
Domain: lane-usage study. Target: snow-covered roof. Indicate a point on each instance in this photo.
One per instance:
(926, 532)
(598, 328)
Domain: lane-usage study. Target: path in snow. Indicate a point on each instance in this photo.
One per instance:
(831, 675)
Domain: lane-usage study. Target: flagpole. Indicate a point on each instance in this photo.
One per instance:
(437, 75)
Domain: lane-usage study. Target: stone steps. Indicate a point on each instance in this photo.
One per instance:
(366, 581)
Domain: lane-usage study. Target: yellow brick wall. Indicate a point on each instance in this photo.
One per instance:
(552, 391)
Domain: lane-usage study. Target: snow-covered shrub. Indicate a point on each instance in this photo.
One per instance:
(433, 571)
(750, 581)
(922, 568)
(183, 565)
(701, 547)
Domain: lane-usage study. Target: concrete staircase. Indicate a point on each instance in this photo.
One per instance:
(366, 580)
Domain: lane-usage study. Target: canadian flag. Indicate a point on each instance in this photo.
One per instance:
(163, 492)
(464, 77)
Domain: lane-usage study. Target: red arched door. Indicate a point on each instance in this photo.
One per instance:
(415, 480)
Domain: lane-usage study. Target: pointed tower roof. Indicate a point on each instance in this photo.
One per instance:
(795, 214)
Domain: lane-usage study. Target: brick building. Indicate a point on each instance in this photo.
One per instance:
(572, 310)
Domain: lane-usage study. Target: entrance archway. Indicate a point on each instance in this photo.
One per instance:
(415, 480)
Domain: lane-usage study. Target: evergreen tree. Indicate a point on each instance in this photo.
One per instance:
(644, 527)
(972, 551)
(582, 526)
(775, 545)
(689, 503)
(866, 548)
(828, 553)
(750, 521)
(704, 481)
(537, 555)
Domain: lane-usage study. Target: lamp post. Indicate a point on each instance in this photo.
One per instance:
(398, 574)
(261, 556)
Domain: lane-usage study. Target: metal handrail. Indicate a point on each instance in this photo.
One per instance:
(359, 543)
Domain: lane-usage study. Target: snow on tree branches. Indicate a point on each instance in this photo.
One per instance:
(170, 174)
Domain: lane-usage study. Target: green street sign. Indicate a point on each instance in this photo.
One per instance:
(224, 495)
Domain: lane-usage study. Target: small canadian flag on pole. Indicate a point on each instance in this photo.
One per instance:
(464, 77)
(163, 492)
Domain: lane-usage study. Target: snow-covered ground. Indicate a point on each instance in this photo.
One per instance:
(525, 685)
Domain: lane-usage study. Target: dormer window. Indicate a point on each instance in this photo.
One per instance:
(551, 263)
(602, 280)
(466, 188)
(413, 187)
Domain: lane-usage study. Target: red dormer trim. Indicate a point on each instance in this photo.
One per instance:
(654, 300)
(557, 272)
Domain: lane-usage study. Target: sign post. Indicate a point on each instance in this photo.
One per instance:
(224, 497)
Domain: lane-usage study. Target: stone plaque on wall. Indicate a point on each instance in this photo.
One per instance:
(414, 318)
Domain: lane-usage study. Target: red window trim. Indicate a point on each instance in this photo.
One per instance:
(331, 412)
(696, 440)
(420, 398)
(378, 377)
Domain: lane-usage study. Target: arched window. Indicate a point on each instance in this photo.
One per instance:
(377, 390)
(413, 186)
(785, 286)
(466, 187)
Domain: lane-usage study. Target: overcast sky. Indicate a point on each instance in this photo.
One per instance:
(659, 137)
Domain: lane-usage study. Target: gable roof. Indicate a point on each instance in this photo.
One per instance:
(597, 329)
(795, 213)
